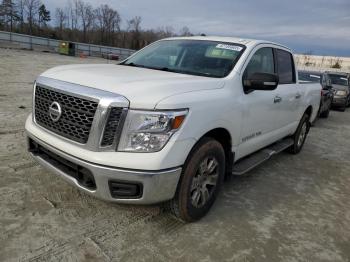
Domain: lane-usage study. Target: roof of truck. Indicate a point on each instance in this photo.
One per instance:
(237, 40)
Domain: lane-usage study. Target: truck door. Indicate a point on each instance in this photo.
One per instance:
(289, 93)
(259, 109)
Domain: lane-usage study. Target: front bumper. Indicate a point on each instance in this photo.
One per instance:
(156, 186)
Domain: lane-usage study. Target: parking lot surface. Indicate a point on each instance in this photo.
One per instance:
(292, 208)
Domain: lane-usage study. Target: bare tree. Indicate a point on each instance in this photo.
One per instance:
(79, 21)
(31, 10)
(337, 64)
(307, 58)
(72, 10)
(169, 31)
(108, 21)
(2, 20)
(162, 32)
(134, 24)
(87, 17)
(61, 18)
(322, 61)
(21, 10)
(134, 27)
(185, 31)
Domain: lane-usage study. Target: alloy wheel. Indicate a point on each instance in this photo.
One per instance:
(204, 182)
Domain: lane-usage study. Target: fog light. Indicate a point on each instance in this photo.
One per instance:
(125, 190)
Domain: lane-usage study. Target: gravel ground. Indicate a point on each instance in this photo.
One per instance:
(292, 208)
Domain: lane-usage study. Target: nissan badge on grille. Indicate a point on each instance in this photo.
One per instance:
(55, 111)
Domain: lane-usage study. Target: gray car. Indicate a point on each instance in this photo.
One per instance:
(341, 90)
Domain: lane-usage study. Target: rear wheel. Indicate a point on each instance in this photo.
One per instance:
(200, 182)
(300, 135)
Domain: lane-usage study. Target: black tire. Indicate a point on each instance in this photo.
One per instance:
(191, 185)
(343, 108)
(325, 114)
(302, 130)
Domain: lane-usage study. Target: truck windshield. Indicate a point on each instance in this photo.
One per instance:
(193, 57)
(339, 80)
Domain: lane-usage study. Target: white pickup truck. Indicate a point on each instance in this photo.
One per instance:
(168, 123)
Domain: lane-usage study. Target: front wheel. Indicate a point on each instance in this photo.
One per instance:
(200, 182)
(300, 135)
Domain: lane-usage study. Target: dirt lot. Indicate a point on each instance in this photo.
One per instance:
(293, 208)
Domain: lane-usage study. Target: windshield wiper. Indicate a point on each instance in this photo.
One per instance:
(167, 69)
(189, 72)
(143, 66)
(132, 64)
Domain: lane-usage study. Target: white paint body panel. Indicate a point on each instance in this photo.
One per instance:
(142, 87)
(212, 103)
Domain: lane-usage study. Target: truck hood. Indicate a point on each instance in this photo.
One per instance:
(340, 87)
(144, 88)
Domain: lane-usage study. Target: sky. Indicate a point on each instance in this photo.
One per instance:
(318, 26)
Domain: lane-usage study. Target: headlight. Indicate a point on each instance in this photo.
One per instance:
(341, 93)
(149, 131)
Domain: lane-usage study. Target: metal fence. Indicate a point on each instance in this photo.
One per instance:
(51, 45)
(322, 63)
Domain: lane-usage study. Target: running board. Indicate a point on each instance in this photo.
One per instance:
(255, 159)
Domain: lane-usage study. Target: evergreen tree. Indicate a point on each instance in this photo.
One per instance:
(8, 14)
(44, 15)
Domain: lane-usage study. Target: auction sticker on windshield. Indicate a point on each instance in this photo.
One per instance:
(230, 47)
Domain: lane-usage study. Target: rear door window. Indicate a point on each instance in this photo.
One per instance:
(285, 67)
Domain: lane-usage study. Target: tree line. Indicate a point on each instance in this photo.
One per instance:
(79, 21)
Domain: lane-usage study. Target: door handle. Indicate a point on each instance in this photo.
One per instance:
(297, 96)
(277, 99)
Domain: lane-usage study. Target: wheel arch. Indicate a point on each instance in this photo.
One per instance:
(223, 136)
(309, 111)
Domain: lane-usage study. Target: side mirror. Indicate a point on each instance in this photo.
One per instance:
(260, 81)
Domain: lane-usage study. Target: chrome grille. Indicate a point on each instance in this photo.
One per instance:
(77, 114)
(114, 121)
